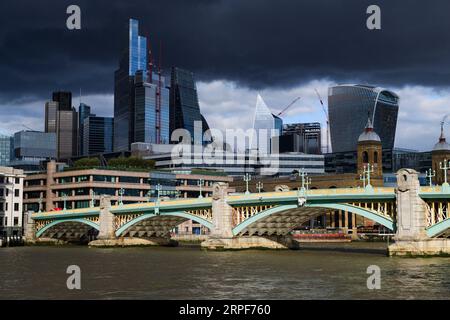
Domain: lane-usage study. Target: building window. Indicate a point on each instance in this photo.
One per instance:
(16, 193)
(16, 221)
(365, 157)
(17, 181)
(375, 157)
(16, 207)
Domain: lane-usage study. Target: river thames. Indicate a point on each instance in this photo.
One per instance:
(190, 273)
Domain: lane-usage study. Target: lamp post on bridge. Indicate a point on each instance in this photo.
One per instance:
(304, 177)
(247, 179)
(158, 190)
(362, 177)
(121, 193)
(445, 167)
(430, 174)
(40, 204)
(65, 202)
(367, 171)
(92, 198)
(259, 186)
(200, 185)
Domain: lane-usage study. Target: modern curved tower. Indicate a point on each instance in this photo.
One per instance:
(348, 108)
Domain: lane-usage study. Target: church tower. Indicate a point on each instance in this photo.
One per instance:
(440, 154)
(370, 152)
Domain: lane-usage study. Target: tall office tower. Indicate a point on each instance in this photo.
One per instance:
(51, 108)
(63, 122)
(150, 124)
(98, 135)
(67, 133)
(84, 111)
(64, 99)
(266, 126)
(348, 108)
(184, 105)
(133, 58)
(6, 148)
(301, 137)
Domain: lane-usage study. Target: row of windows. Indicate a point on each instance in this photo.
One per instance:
(4, 206)
(4, 180)
(5, 192)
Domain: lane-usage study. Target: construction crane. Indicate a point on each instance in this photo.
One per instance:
(326, 118)
(288, 106)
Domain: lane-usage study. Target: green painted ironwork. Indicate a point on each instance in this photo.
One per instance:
(438, 228)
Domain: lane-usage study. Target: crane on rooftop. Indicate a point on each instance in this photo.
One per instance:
(288, 106)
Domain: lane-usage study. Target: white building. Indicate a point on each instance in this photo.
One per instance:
(236, 164)
(11, 195)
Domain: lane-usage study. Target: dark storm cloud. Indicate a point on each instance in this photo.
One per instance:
(257, 43)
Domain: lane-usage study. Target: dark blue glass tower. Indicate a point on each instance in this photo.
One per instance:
(134, 58)
(184, 106)
(98, 135)
(84, 111)
(147, 119)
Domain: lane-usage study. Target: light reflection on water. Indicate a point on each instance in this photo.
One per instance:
(189, 273)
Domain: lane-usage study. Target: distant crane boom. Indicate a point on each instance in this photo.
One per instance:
(288, 106)
(327, 120)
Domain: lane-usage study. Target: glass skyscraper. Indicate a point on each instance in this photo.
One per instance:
(97, 135)
(84, 111)
(266, 126)
(32, 147)
(134, 58)
(184, 105)
(348, 108)
(148, 127)
(6, 147)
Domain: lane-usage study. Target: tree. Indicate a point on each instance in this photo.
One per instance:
(87, 162)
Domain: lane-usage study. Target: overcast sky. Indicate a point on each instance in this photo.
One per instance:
(236, 48)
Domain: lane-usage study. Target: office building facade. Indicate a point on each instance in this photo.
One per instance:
(184, 105)
(134, 58)
(84, 111)
(6, 149)
(54, 188)
(64, 99)
(301, 137)
(151, 110)
(11, 193)
(33, 147)
(98, 135)
(62, 121)
(348, 108)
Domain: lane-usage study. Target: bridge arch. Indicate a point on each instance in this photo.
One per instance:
(438, 228)
(180, 214)
(383, 220)
(76, 220)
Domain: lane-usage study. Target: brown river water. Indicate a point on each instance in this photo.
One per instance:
(315, 272)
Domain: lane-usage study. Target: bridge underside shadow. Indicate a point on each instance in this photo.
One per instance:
(70, 231)
(156, 226)
(280, 223)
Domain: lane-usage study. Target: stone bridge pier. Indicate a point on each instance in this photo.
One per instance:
(221, 236)
(412, 212)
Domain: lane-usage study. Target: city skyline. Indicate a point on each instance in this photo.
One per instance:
(227, 82)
